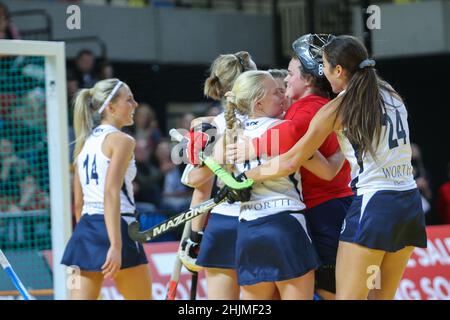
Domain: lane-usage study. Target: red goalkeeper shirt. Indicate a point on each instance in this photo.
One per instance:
(315, 190)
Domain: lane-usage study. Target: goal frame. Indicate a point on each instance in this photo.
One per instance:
(58, 146)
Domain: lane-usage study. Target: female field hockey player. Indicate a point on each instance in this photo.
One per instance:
(326, 202)
(104, 169)
(216, 251)
(385, 221)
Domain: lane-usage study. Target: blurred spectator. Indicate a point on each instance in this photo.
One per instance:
(84, 68)
(7, 102)
(185, 122)
(7, 204)
(72, 88)
(175, 196)
(443, 199)
(214, 110)
(149, 179)
(105, 70)
(21, 128)
(11, 168)
(31, 196)
(34, 107)
(421, 177)
(7, 30)
(146, 129)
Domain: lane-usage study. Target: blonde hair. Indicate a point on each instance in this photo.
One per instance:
(224, 71)
(86, 116)
(248, 89)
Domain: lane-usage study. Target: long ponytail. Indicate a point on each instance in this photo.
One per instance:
(224, 71)
(86, 115)
(361, 108)
(82, 120)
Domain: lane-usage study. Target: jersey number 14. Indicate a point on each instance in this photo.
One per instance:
(93, 175)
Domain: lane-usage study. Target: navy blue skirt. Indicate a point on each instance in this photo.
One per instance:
(274, 248)
(386, 220)
(218, 246)
(325, 223)
(89, 244)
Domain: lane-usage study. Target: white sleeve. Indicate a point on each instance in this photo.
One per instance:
(219, 121)
(185, 176)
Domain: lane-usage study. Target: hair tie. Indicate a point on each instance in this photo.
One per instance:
(241, 62)
(367, 63)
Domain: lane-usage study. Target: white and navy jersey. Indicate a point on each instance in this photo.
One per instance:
(391, 169)
(92, 166)
(220, 123)
(273, 195)
(226, 209)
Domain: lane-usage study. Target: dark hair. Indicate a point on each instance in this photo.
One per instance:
(71, 76)
(319, 85)
(5, 9)
(9, 31)
(362, 107)
(83, 52)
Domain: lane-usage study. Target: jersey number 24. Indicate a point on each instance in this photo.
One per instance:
(401, 133)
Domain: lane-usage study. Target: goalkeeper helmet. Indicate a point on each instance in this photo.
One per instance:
(309, 50)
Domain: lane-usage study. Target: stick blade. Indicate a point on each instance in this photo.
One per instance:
(135, 233)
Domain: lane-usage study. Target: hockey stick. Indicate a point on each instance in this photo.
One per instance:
(13, 276)
(220, 172)
(175, 277)
(170, 224)
(194, 281)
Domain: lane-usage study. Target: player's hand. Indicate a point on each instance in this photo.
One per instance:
(241, 151)
(189, 251)
(234, 195)
(112, 263)
(198, 121)
(200, 138)
(197, 143)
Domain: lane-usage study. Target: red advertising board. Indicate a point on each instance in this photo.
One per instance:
(427, 275)
(161, 257)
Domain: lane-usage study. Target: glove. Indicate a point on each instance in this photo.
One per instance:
(200, 138)
(189, 251)
(233, 195)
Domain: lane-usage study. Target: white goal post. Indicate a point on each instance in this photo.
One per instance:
(58, 145)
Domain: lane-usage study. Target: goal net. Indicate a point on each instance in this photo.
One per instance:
(35, 215)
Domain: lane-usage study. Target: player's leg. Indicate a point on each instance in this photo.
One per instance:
(217, 255)
(259, 291)
(354, 267)
(135, 283)
(325, 224)
(222, 284)
(391, 272)
(300, 288)
(87, 286)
